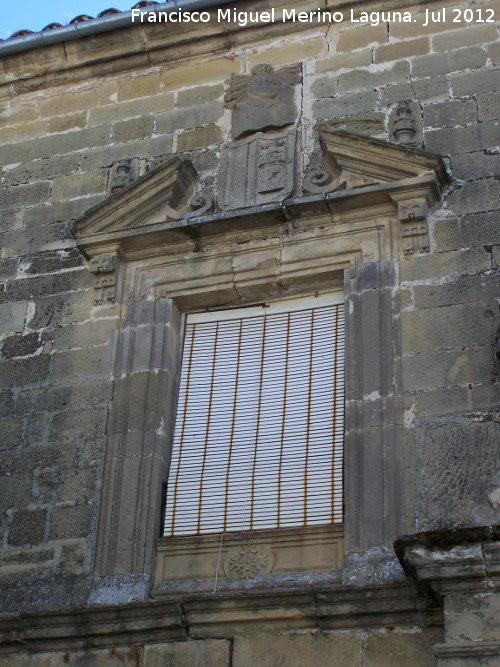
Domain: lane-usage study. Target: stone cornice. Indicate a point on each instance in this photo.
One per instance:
(216, 615)
(149, 45)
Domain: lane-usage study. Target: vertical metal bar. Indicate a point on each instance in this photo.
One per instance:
(181, 439)
(334, 420)
(233, 424)
(259, 404)
(308, 426)
(207, 429)
(283, 420)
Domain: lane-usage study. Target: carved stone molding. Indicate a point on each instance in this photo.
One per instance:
(415, 229)
(263, 99)
(104, 269)
(258, 170)
(247, 561)
(403, 124)
(121, 174)
(460, 568)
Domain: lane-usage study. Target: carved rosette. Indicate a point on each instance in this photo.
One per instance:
(247, 561)
(104, 269)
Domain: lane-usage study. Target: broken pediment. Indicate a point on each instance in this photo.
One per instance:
(351, 160)
(164, 193)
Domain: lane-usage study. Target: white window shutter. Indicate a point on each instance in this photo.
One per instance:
(259, 431)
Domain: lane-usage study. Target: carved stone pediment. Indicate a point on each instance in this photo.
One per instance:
(357, 160)
(162, 194)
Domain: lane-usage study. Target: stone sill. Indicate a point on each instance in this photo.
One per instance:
(194, 562)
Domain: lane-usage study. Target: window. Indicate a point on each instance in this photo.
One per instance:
(259, 430)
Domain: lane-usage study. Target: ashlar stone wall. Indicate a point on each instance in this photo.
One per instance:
(60, 134)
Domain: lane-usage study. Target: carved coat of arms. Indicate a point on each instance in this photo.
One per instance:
(258, 170)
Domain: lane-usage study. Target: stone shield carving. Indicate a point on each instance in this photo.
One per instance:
(258, 170)
(263, 99)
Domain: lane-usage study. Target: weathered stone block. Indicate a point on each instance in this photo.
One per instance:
(42, 169)
(448, 114)
(432, 370)
(90, 362)
(345, 106)
(443, 264)
(456, 400)
(61, 104)
(12, 317)
(139, 86)
(357, 38)
(475, 196)
(71, 521)
(59, 397)
(78, 185)
(459, 464)
(42, 286)
(65, 123)
(447, 41)
(462, 289)
(344, 61)
(447, 327)
(20, 346)
(78, 423)
(494, 53)
(24, 195)
(287, 54)
(463, 139)
(136, 128)
(19, 113)
(393, 648)
(327, 86)
(81, 335)
(200, 95)
(425, 90)
(10, 220)
(472, 83)
(404, 49)
(72, 558)
(16, 491)
(44, 147)
(489, 106)
(28, 527)
(475, 165)
(12, 431)
(115, 112)
(18, 133)
(201, 137)
(63, 485)
(183, 119)
(27, 241)
(147, 148)
(19, 373)
(362, 79)
(201, 653)
(187, 76)
(444, 63)
(60, 212)
(55, 310)
(52, 262)
(298, 650)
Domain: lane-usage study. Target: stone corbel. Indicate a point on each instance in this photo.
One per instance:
(104, 269)
(412, 215)
(460, 569)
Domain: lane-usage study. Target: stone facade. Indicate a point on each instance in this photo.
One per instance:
(138, 183)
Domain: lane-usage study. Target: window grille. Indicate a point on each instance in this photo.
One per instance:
(259, 430)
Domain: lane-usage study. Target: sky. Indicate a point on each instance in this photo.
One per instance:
(36, 14)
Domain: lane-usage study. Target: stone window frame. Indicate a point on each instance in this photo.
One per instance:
(351, 239)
